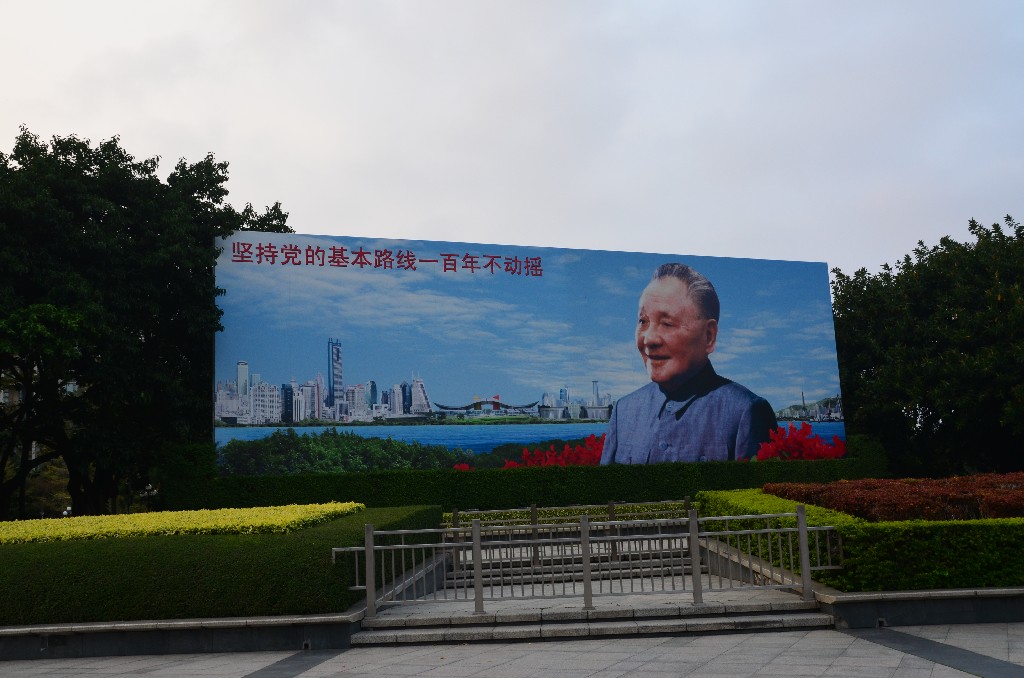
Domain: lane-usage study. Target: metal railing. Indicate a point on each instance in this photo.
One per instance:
(587, 558)
(613, 510)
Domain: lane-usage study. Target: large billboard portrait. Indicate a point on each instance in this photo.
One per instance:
(424, 354)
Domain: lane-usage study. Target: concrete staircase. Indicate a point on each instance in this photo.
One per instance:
(535, 593)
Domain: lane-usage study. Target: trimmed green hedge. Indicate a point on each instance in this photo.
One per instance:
(904, 555)
(190, 576)
(508, 488)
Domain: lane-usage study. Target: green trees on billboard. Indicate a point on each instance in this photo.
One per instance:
(107, 311)
(931, 353)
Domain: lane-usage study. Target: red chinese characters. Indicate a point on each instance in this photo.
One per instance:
(335, 256)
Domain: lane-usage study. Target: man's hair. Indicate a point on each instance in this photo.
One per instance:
(698, 288)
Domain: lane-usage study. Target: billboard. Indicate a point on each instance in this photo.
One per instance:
(473, 346)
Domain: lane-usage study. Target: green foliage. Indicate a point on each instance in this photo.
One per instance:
(39, 356)
(869, 455)
(191, 576)
(285, 452)
(930, 353)
(572, 514)
(107, 310)
(902, 555)
(503, 488)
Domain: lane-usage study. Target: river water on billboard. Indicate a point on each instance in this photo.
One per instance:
(475, 437)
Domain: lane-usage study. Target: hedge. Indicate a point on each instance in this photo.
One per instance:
(507, 488)
(900, 555)
(222, 521)
(190, 576)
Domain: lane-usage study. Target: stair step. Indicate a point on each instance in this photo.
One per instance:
(566, 559)
(597, 627)
(465, 579)
(408, 616)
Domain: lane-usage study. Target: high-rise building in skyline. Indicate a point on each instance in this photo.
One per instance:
(334, 373)
(396, 399)
(420, 403)
(406, 397)
(242, 369)
(355, 398)
(371, 393)
(266, 404)
(287, 403)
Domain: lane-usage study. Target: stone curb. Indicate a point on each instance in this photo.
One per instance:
(180, 624)
(620, 627)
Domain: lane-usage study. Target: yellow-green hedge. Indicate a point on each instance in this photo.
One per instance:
(905, 555)
(263, 520)
(191, 575)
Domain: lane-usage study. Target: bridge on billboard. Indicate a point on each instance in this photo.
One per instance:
(489, 403)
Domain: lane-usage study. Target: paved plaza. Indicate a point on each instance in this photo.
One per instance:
(926, 652)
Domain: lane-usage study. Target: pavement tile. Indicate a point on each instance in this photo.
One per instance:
(903, 672)
(790, 658)
(610, 673)
(949, 672)
(792, 670)
(859, 672)
(881, 660)
(449, 671)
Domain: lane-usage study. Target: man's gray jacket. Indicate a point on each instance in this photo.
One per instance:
(711, 419)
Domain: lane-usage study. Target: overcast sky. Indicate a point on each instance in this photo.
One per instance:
(817, 131)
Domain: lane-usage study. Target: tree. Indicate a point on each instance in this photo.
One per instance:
(116, 268)
(931, 353)
(38, 353)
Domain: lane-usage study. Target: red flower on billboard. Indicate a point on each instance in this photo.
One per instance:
(587, 454)
(798, 443)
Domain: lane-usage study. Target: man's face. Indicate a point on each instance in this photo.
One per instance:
(673, 340)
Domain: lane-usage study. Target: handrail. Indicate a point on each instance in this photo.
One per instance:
(603, 557)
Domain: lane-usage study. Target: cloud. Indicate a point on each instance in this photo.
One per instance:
(837, 132)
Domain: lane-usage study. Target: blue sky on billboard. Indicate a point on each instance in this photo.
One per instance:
(488, 332)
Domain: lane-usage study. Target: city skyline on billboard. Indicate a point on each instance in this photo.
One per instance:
(481, 321)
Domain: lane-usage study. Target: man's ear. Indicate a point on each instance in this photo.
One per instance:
(711, 334)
